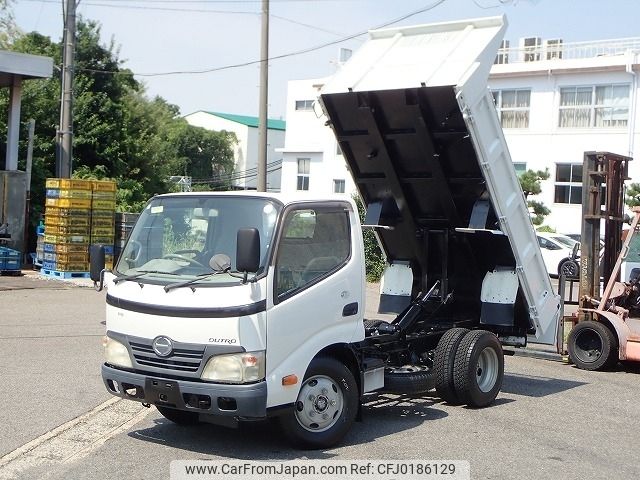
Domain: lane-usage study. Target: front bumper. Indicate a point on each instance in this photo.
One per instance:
(236, 401)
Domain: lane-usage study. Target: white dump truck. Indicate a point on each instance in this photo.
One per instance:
(235, 306)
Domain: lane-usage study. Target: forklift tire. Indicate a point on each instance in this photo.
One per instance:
(592, 346)
(443, 363)
(326, 407)
(408, 379)
(179, 417)
(479, 368)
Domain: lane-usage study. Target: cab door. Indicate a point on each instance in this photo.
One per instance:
(316, 285)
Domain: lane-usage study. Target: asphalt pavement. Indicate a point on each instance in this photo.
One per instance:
(50, 353)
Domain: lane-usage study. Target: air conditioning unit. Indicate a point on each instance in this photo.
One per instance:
(531, 48)
(553, 49)
(503, 53)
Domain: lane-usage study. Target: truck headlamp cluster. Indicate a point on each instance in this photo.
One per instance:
(235, 368)
(116, 353)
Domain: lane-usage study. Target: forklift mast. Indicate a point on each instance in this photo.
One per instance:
(603, 176)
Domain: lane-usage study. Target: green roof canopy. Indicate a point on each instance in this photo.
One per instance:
(250, 121)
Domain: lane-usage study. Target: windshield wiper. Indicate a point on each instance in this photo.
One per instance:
(186, 283)
(139, 274)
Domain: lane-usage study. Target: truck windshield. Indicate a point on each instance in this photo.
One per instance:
(175, 237)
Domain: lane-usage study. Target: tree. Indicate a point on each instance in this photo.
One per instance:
(119, 133)
(8, 27)
(530, 183)
(373, 257)
(632, 195)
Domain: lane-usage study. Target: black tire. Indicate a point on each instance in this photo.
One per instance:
(569, 268)
(443, 363)
(478, 369)
(409, 379)
(179, 417)
(592, 346)
(339, 387)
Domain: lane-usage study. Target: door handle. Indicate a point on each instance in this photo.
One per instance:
(350, 309)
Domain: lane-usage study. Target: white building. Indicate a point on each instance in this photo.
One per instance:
(555, 100)
(246, 150)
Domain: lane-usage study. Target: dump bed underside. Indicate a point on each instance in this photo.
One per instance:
(411, 156)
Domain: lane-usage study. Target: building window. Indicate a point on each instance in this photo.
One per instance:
(304, 104)
(594, 106)
(519, 167)
(304, 165)
(568, 188)
(513, 107)
(338, 186)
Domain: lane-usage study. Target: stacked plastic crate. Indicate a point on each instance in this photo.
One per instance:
(67, 228)
(9, 261)
(103, 207)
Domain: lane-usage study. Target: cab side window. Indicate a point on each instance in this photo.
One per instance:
(313, 244)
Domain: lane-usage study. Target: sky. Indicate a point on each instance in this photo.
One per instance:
(157, 37)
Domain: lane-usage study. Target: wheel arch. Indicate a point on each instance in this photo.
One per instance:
(344, 354)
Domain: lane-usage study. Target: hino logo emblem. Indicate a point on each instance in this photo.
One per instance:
(163, 346)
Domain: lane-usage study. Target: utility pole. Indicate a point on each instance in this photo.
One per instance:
(264, 89)
(65, 134)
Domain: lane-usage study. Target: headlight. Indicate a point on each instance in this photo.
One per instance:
(116, 353)
(236, 368)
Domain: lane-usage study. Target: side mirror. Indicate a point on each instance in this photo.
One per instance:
(97, 262)
(248, 250)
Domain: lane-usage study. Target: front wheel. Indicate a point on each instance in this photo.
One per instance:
(478, 368)
(325, 408)
(592, 346)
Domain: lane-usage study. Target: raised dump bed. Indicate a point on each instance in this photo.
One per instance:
(418, 128)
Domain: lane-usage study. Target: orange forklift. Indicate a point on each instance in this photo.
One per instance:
(608, 322)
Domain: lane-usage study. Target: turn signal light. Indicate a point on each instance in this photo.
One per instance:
(290, 380)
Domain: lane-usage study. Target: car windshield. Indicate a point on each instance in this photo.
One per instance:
(564, 241)
(175, 237)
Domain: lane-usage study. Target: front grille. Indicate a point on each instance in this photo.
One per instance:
(181, 359)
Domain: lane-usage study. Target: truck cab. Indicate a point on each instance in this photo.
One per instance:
(189, 320)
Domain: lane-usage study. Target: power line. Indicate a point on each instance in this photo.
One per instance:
(276, 57)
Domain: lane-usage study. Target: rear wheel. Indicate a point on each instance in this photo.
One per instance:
(569, 268)
(179, 417)
(479, 368)
(443, 363)
(592, 346)
(325, 408)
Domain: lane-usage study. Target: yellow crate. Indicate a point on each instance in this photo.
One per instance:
(108, 258)
(67, 258)
(103, 231)
(102, 222)
(108, 265)
(77, 239)
(95, 213)
(67, 212)
(66, 221)
(72, 266)
(64, 193)
(104, 240)
(99, 204)
(66, 229)
(70, 248)
(68, 202)
(103, 185)
(68, 183)
(103, 195)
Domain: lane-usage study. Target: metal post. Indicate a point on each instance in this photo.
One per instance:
(32, 129)
(66, 109)
(264, 89)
